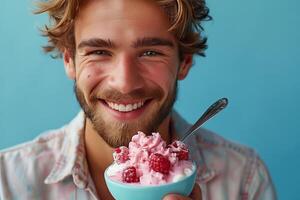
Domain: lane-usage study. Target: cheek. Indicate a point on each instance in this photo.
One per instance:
(89, 78)
(164, 77)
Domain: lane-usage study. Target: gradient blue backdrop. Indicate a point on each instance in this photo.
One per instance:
(252, 59)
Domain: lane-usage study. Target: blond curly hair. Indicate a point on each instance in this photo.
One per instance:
(186, 17)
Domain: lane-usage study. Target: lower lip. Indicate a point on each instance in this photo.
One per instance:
(125, 116)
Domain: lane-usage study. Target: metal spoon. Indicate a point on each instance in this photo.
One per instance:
(209, 113)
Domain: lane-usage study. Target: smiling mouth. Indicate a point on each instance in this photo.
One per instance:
(126, 107)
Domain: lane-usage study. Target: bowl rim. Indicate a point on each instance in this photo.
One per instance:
(134, 185)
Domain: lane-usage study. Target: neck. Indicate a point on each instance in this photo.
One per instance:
(99, 157)
(99, 153)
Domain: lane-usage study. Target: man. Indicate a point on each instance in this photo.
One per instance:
(125, 57)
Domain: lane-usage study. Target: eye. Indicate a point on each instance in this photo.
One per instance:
(99, 53)
(151, 53)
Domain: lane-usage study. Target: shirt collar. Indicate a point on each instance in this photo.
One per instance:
(72, 160)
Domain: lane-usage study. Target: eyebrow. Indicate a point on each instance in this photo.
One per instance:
(96, 42)
(141, 42)
(152, 41)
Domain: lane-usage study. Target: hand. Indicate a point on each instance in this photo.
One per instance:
(195, 195)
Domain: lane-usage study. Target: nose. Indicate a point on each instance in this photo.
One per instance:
(126, 75)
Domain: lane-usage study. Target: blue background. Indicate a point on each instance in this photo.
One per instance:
(252, 59)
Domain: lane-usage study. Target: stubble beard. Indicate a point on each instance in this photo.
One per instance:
(118, 133)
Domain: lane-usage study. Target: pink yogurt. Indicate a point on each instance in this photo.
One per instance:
(138, 155)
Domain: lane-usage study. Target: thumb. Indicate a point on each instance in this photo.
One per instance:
(195, 195)
(176, 197)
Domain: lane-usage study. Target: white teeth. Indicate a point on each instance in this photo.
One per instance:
(135, 106)
(128, 107)
(113, 105)
(122, 108)
(125, 108)
(116, 106)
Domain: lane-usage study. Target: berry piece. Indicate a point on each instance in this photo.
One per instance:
(118, 150)
(174, 144)
(159, 163)
(180, 149)
(178, 145)
(121, 154)
(129, 175)
(182, 154)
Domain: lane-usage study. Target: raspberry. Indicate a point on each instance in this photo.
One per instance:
(129, 175)
(181, 151)
(159, 163)
(182, 155)
(121, 154)
(118, 150)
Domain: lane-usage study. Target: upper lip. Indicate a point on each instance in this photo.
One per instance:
(125, 102)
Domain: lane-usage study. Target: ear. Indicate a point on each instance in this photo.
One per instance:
(185, 66)
(69, 64)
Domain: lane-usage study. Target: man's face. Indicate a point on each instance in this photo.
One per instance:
(126, 67)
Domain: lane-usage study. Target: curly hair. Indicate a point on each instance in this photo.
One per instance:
(185, 16)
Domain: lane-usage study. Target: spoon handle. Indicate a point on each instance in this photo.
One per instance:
(209, 113)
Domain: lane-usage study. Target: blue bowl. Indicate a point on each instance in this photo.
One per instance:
(123, 191)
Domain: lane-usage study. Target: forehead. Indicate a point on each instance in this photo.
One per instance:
(121, 19)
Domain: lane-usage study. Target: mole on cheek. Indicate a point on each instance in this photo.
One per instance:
(88, 76)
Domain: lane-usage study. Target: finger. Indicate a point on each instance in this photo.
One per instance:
(196, 193)
(176, 197)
